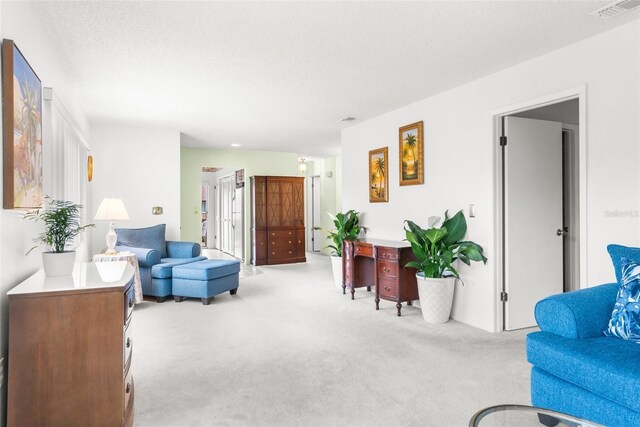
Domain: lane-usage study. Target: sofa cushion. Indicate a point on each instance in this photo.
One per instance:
(149, 237)
(617, 252)
(164, 269)
(207, 270)
(625, 319)
(605, 366)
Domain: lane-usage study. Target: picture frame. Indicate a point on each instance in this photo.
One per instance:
(22, 136)
(379, 175)
(411, 154)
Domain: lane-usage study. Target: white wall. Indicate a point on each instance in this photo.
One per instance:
(459, 162)
(330, 195)
(141, 167)
(20, 23)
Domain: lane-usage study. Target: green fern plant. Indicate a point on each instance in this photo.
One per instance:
(61, 224)
(347, 227)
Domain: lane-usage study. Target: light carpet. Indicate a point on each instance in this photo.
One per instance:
(290, 350)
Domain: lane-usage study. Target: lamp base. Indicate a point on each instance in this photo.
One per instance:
(112, 238)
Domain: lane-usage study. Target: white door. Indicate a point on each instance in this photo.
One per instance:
(227, 187)
(316, 219)
(533, 216)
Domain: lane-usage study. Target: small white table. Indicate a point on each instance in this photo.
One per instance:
(131, 258)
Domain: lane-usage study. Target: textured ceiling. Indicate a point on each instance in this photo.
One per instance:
(277, 76)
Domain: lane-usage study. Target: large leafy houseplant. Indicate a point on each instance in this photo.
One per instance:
(61, 224)
(436, 248)
(347, 227)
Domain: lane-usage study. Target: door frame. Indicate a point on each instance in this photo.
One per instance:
(312, 223)
(219, 216)
(580, 93)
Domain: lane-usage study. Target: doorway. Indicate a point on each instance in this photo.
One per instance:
(316, 215)
(225, 219)
(539, 207)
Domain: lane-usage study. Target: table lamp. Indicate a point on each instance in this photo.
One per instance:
(111, 210)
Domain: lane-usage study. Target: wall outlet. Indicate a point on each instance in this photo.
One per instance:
(156, 210)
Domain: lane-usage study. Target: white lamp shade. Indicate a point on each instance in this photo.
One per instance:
(112, 210)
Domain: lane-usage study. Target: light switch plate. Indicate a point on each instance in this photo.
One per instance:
(472, 211)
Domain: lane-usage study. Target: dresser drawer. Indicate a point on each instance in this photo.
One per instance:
(281, 234)
(128, 391)
(388, 253)
(127, 344)
(388, 288)
(363, 250)
(387, 268)
(129, 301)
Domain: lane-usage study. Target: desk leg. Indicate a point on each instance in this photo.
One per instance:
(353, 291)
(409, 302)
(399, 307)
(343, 289)
(368, 288)
(377, 300)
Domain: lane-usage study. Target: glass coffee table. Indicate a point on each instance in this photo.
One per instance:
(525, 416)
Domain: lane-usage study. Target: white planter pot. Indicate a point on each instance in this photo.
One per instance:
(58, 264)
(336, 264)
(436, 298)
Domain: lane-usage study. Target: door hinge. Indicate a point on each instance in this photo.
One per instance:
(503, 141)
(504, 297)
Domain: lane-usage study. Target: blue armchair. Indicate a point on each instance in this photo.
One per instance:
(576, 369)
(156, 257)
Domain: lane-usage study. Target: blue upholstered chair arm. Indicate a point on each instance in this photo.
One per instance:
(578, 314)
(182, 249)
(146, 257)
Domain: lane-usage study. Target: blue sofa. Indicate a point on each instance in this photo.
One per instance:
(156, 257)
(576, 369)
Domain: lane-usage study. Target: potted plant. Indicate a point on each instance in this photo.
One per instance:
(436, 250)
(61, 225)
(347, 227)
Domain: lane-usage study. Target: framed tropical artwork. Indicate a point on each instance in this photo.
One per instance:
(22, 137)
(411, 154)
(378, 176)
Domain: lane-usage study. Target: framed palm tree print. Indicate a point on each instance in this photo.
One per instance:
(22, 123)
(411, 154)
(378, 176)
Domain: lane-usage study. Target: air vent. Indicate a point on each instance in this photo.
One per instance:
(616, 8)
(350, 119)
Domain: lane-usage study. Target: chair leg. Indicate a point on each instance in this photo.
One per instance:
(206, 301)
(233, 291)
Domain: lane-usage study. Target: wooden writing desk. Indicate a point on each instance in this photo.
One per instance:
(380, 264)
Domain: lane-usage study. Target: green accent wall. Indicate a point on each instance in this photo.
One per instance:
(253, 162)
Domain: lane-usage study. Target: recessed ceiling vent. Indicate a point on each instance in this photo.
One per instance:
(616, 8)
(350, 119)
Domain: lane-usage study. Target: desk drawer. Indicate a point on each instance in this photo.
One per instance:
(388, 253)
(363, 250)
(388, 288)
(128, 391)
(128, 346)
(387, 268)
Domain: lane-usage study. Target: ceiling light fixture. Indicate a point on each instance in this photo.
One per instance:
(616, 8)
(302, 166)
(347, 119)
(235, 145)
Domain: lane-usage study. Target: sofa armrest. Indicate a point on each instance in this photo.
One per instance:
(182, 249)
(578, 314)
(146, 257)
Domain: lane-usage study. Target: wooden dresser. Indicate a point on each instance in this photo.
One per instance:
(70, 348)
(277, 220)
(380, 264)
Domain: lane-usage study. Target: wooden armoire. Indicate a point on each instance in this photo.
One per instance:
(277, 220)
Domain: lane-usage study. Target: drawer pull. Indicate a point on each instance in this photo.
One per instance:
(387, 288)
(273, 234)
(273, 243)
(130, 302)
(299, 241)
(357, 249)
(289, 233)
(289, 252)
(273, 253)
(261, 243)
(385, 255)
(129, 342)
(128, 389)
(386, 269)
(289, 241)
